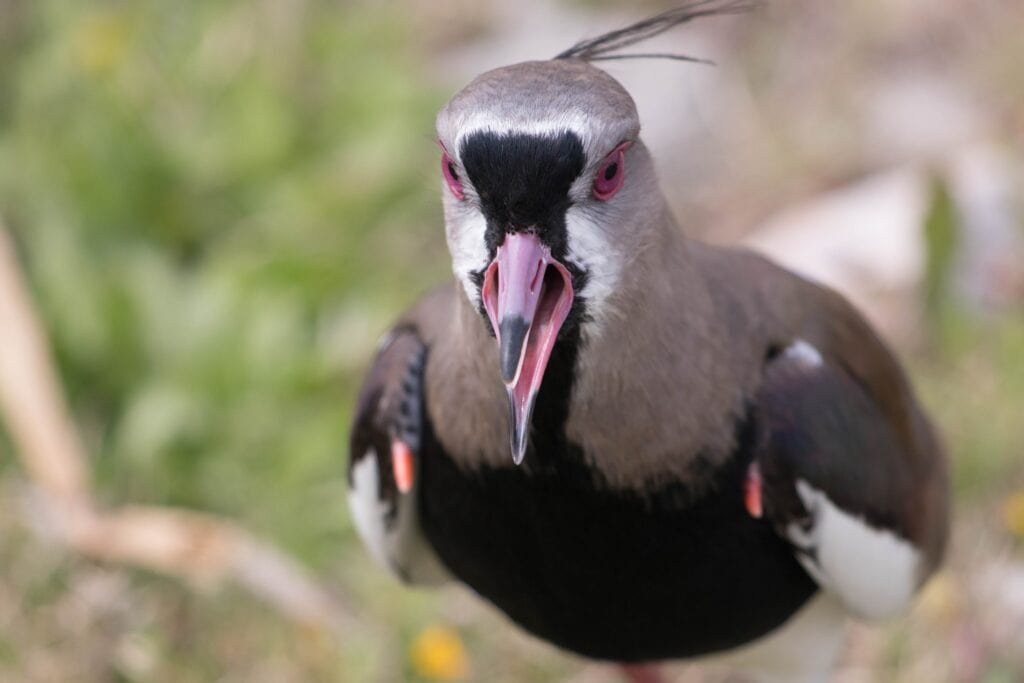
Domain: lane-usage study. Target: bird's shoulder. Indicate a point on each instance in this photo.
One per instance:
(396, 375)
(863, 507)
(853, 473)
(386, 441)
(775, 307)
(770, 309)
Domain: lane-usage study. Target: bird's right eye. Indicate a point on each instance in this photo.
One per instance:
(451, 175)
(611, 174)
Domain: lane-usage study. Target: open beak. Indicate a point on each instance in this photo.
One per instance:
(527, 295)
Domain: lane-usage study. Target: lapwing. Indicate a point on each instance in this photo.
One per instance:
(637, 446)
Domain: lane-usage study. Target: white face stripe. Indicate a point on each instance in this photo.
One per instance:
(570, 121)
(873, 571)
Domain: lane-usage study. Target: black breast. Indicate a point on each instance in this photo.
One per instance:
(611, 575)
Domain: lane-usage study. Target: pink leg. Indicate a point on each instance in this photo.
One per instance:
(642, 673)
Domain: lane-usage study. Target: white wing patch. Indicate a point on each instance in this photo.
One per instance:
(399, 547)
(872, 571)
(804, 353)
(368, 510)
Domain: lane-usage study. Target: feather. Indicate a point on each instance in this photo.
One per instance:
(605, 46)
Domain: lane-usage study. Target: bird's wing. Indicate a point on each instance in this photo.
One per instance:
(858, 493)
(385, 445)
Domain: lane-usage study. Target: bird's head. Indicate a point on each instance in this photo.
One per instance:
(540, 162)
(548, 197)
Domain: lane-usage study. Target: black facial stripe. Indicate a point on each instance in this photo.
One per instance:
(523, 183)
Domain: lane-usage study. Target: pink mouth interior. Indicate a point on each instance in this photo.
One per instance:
(552, 310)
(552, 307)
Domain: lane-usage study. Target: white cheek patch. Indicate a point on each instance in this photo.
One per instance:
(465, 230)
(590, 250)
(872, 571)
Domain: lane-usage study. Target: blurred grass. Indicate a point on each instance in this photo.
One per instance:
(973, 386)
(220, 205)
(972, 377)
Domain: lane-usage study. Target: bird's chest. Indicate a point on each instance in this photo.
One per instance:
(610, 574)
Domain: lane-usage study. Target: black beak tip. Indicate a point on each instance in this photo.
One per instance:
(518, 429)
(512, 331)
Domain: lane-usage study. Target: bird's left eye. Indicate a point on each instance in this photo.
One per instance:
(611, 174)
(451, 176)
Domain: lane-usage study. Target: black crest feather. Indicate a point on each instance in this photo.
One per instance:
(607, 45)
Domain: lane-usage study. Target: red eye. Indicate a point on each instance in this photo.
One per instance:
(611, 174)
(451, 176)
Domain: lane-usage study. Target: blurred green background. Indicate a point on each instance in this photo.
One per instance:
(221, 205)
(204, 195)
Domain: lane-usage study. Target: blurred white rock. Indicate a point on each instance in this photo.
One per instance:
(999, 589)
(985, 182)
(758, 134)
(864, 240)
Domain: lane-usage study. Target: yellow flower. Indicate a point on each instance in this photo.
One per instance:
(942, 598)
(438, 654)
(1013, 514)
(101, 41)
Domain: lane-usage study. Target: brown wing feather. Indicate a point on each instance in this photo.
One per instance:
(768, 308)
(385, 392)
(849, 343)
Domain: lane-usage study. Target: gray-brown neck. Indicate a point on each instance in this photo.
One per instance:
(656, 376)
(651, 369)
